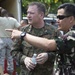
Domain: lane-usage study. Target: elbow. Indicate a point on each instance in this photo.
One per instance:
(51, 46)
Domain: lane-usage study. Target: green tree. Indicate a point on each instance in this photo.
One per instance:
(51, 5)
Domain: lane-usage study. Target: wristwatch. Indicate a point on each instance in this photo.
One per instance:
(22, 35)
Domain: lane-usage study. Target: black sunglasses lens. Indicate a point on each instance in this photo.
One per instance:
(61, 17)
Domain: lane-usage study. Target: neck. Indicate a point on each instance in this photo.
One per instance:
(39, 25)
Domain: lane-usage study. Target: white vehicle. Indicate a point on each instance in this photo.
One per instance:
(49, 20)
(46, 19)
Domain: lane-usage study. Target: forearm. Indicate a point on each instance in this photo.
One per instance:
(49, 45)
(51, 56)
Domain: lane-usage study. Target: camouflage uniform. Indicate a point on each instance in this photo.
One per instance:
(5, 47)
(24, 49)
(65, 55)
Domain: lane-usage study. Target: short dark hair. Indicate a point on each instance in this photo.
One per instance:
(69, 9)
(4, 13)
(40, 6)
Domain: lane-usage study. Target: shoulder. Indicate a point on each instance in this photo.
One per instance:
(50, 27)
(25, 28)
(2, 18)
(11, 18)
(71, 35)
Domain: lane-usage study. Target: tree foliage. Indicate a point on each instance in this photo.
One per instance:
(51, 5)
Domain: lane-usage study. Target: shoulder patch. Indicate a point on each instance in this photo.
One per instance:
(71, 35)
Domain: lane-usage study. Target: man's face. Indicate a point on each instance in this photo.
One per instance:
(63, 22)
(33, 15)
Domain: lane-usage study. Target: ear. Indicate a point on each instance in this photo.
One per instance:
(41, 14)
(71, 19)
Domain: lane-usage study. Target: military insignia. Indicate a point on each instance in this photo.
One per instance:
(70, 38)
(71, 35)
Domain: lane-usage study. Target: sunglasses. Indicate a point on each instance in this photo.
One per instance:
(60, 17)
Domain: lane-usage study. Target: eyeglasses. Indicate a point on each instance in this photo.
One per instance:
(60, 17)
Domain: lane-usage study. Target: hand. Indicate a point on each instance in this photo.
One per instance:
(42, 58)
(29, 64)
(15, 33)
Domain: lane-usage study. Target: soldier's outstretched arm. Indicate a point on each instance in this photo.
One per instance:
(49, 45)
(46, 44)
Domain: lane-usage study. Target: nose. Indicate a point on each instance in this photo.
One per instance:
(57, 20)
(28, 14)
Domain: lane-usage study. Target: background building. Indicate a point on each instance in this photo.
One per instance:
(12, 6)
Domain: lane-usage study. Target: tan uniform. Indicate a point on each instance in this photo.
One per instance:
(6, 42)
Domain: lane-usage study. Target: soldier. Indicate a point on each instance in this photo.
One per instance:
(64, 46)
(6, 60)
(23, 51)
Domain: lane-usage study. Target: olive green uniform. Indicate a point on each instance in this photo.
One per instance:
(65, 55)
(23, 49)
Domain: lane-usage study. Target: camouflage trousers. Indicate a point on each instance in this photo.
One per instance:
(5, 48)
